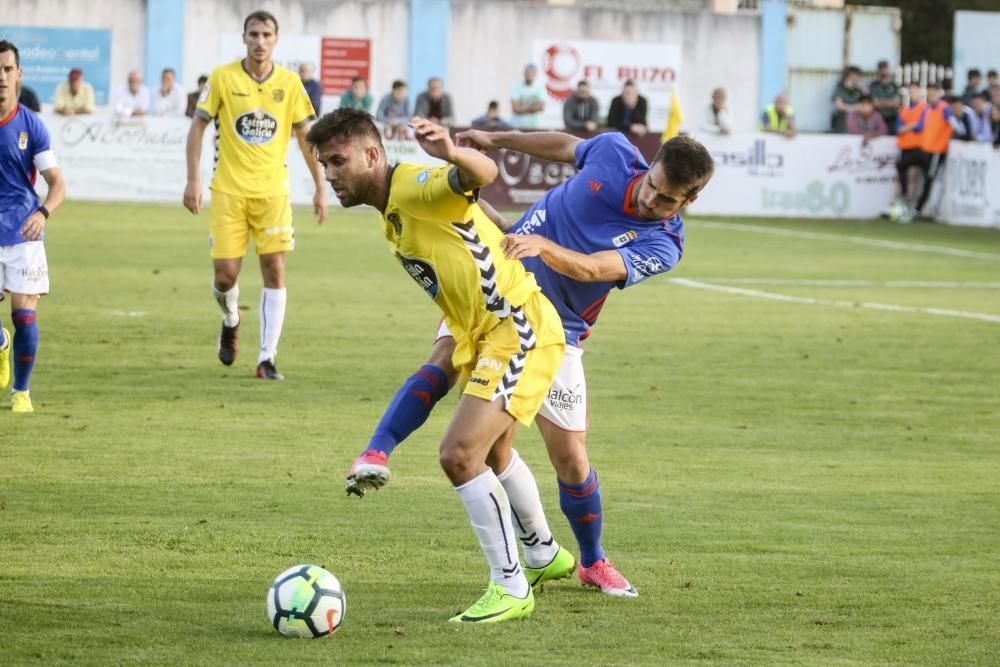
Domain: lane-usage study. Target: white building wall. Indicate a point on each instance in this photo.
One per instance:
(125, 18)
(492, 41)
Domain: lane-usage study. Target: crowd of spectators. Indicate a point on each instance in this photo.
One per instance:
(973, 114)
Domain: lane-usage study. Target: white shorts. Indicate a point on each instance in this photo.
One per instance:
(24, 269)
(566, 404)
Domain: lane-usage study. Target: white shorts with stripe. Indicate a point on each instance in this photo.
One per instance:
(566, 403)
(24, 269)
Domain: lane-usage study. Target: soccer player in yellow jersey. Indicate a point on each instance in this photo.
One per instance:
(509, 339)
(256, 105)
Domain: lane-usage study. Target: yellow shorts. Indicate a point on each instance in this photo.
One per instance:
(232, 218)
(505, 370)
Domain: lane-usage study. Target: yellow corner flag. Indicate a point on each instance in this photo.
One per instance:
(675, 118)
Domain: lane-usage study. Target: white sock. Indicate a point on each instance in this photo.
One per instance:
(229, 302)
(489, 510)
(272, 317)
(526, 510)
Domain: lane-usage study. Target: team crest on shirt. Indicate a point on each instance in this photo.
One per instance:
(621, 240)
(423, 176)
(22, 141)
(278, 95)
(423, 272)
(256, 127)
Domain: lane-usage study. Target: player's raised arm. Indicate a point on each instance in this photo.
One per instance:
(474, 169)
(554, 146)
(192, 191)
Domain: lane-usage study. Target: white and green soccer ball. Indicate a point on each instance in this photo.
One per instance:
(899, 211)
(306, 601)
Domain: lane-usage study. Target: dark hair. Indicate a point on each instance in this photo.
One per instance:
(951, 99)
(992, 73)
(686, 163)
(398, 83)
(9, 46)
(168, 69)
(344, 125)
(358, 78)
(853, 69)
(934, 84)
(946, 83)
(261, 16)
(628, 82)
(582, 82)
(974, 72)
(202, 79)
(866, 98)
(882, 63)
(492, 105)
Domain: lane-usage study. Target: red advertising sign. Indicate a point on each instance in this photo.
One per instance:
(342, 59)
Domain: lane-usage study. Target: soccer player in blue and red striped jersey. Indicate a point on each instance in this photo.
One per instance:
(612, 225)
(24, 272)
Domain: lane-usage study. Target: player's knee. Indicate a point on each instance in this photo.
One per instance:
(571, 463)
(457, 462)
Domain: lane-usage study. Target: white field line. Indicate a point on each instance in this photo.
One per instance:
(787, 298)
(805, 282)
(860, 240)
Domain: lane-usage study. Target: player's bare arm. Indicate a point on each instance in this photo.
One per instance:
(502, 223)
(320, 205)
(34, 226)
(474, 169)
(554, 146)
(192, 191)
(601, 266)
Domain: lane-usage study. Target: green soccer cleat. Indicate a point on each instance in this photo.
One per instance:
(497, 605)
(5, 359)
(20, 402)
(560, 567)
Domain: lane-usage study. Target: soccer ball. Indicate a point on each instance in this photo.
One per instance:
(306, 601)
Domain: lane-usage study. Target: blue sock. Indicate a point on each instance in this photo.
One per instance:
(582, 506)
(409, 408)
(25, 347)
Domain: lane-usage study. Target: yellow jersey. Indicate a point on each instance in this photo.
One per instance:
(452, 250)
(253, 123)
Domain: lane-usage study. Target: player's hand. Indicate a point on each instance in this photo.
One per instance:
(192, 197)
(33, 227)
(434, 139)
(320, 206)
(519, 246)
(482, 141)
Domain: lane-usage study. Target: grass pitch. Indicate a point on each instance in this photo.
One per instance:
(807, 478)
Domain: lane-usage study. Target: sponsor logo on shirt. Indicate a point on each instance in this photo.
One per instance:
(422, 272)
(423, 176)
(622, 239)
(256, 127)
(645, 266)
(486, 362)
(22, 140)
(536, 221)
(595, 186)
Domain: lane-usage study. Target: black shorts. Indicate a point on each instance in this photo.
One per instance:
(912, 157)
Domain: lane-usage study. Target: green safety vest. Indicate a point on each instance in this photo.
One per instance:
(772, 117)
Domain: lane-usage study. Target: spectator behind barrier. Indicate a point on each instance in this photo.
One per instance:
(491, 120)
(961, 119)
(394, 107)
(28, 98)
(975, 79)
(74, 96)
(779, 117)
(992, 81)
(131, 99)
(527, 100)
(434, 104)
(981, 130)
(885, 95)
(581, 110)
(995, 124)
(169, 99)
(193, 96)
(716, 119)
(846, 98)
(357, 96)
(627, 112)
(314, 89)
(866, 121)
